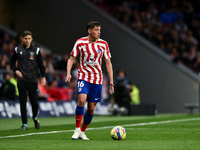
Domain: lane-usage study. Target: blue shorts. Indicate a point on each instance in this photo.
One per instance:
(93, 91)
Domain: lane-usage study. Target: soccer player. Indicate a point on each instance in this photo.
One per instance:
(91, 50)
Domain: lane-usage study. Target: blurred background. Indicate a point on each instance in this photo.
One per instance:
(155, 43)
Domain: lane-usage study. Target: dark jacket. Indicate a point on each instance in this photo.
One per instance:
(29, 60)
(7, 92)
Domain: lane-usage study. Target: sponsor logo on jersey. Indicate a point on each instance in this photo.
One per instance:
(92, 59)
(90, 63)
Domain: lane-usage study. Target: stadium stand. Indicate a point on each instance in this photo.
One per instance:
(171, 25)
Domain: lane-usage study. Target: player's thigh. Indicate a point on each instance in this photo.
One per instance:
(95, 93)
(83, 88)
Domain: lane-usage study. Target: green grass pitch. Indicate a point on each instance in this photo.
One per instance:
(160, 132)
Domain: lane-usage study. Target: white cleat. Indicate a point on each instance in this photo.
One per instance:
(76, 134)
(83, 136)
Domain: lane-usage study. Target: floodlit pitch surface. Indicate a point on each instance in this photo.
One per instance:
(160, 132)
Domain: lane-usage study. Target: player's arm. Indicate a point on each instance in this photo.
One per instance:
(69, 67)
(110, 74)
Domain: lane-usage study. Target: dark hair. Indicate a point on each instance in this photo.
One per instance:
(6, 73)
(27, 33)
(92, 24)
(120, 70)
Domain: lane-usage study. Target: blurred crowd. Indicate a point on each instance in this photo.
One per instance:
(172, 25)
(55, 64)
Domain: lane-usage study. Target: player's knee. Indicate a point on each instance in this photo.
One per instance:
(81, 102)
(90, 111)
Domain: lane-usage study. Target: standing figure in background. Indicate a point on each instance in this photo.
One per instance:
(91, 50)
(29, 60)
(123, 87)
(7, 90)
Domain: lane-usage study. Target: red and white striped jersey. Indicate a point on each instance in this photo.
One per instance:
(91, 55)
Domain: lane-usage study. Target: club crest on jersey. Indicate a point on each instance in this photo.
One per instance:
(21, 53)
(31, 55)
(99, 51)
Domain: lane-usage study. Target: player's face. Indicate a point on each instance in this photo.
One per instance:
(95, 32)
(27, 40)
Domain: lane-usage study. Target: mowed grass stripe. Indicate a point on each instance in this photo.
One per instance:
(98, 128)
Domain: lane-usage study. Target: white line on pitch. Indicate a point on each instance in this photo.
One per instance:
(127, 125)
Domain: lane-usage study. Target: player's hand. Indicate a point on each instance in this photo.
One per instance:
(68, 78)
(43, 83)
(18, 73)
(111, 90)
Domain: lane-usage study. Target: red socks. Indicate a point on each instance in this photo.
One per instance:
(78, 120)
(84, 126)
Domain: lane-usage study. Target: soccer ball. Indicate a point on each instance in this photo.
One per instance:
(118, 133)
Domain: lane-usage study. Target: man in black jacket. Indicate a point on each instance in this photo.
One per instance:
(7, 90)
(29, 60)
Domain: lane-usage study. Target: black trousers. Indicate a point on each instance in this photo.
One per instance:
(27, 88)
